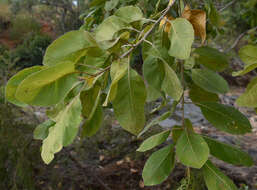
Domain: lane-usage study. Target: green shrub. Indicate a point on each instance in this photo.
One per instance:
(4, 16)
(22, 26)
(32, 50)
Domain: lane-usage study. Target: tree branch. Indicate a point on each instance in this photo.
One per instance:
(239, 38)
(149, 31)
(227, 5)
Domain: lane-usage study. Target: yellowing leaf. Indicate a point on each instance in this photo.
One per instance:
(197, 19)
(166, 23)
(186, 12)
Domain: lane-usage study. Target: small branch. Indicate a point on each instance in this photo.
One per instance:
(150, 43)
(90, 66)
(96, 74)
(227, 5)
(133, 29)
(150, 20)
(149, 31)
(239, 38)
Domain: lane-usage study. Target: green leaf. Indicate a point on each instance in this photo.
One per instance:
(181, 38)
(48, 86)
(246, 70)
(209, 81)
(15, 81)
(198, 94)
(192, 150)
(93, 124)
(110, 5)
(64, 131)
(248, 55)
(157, 120)
(129, 14)
(212, 58)
(129, 102)
(69, 47)
(176, 133)
(92, 64)
(107, 29)
(159, 166)
(95, 3)
(89, 100)
(161, 76)
(152, 94)
(225, 118)
(214, 16)
(215, 179)
(228, 153)
(118, 70)
(249, 98)
(154, 72)
(171, 84)
(189, 63)
(154, 141)
(41, 131)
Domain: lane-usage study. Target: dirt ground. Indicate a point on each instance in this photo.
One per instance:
(109, 160)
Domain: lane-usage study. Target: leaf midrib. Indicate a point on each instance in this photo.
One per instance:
(224, 182)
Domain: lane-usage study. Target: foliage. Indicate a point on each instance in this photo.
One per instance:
(17, 154)
(22, 26)
(31, 51)
(85, 72)
(248, 54)
(5, 15)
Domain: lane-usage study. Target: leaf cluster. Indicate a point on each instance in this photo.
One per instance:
(85, 72)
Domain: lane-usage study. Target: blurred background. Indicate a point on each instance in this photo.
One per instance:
(109, 159)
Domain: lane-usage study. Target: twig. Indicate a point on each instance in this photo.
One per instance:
(90, 66)
(148, 32)
(79, 165)
(227, 5)
(239, 38)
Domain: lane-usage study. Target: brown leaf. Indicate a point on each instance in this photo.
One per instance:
(186, 12)
(166, 23)
(197, 19)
